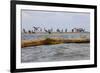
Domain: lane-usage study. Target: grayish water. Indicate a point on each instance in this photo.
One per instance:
(59, 52)
(62, 35)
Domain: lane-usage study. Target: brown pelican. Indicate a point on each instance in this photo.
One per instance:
(24, 30)
(36, 28)
(58, 30)
(29, 31)
(48, 31)
(62, 30)
(78, 30)
(65, 30)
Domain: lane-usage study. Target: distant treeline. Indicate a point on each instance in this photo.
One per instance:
(39, 29)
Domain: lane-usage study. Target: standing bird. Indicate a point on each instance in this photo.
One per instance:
(66, 30)
(62, 30)
(36, 28)
(48, 31)
(58, 30)
(24, 30)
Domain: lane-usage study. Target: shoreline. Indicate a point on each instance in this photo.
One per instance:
(56, 33)
(52, 41)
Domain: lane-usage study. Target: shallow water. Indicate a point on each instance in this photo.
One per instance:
(62, 35)
(58, 52)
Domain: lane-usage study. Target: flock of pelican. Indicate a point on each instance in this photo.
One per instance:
(39, 29)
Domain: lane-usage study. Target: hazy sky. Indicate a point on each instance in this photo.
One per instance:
(49, 19)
